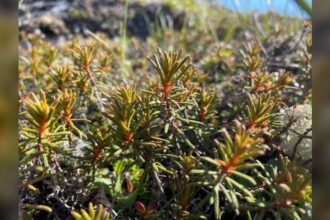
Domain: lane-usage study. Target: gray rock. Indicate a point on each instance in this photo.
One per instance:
(302, 126)
(66, 18)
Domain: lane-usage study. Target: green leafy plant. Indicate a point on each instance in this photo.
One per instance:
(289, 186)
(179, 137)
(44, 130)
(123, 110)
(168, 66)
(261, 110)
(305, 6)
(91, 214)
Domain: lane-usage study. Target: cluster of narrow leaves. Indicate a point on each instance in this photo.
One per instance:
(161, 149)
(99, 214)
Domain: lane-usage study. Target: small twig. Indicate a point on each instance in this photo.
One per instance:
(294, 48)
(298, 142)
(283, 65)
(159, 183)
(258, 25)
(304, 136)
(98, 99)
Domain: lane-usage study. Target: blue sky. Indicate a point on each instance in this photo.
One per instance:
(283, 7)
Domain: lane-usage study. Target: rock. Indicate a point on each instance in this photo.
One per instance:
(302, 126)
(67, 18)
(52, 26)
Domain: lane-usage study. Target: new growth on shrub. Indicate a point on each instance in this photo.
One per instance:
(188, 134)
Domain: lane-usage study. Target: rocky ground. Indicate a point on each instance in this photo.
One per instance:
(64, 18)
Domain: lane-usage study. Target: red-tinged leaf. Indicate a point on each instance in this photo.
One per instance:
(140, 207)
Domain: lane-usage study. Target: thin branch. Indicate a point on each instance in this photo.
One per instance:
(295, 148)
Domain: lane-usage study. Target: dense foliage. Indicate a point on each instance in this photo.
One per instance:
(143, 130)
